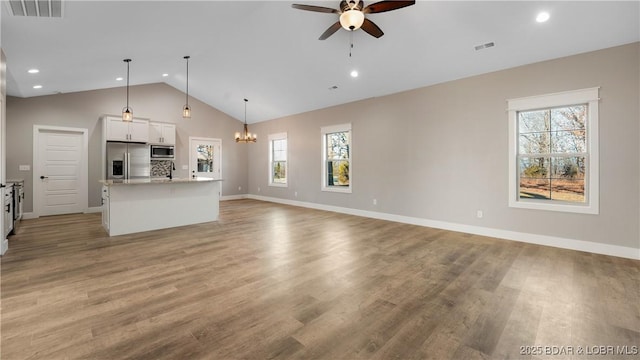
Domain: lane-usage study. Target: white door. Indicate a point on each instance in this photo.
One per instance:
(205, 157)
(60, 184)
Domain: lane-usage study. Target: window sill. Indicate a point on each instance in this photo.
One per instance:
(560, 207)
(279, 185)
(337, 189)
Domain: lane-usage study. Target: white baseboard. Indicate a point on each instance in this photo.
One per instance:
(233, 197)
(4, 246)
(553, 241)
(31, 215)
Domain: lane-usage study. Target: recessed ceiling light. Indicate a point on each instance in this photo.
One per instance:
(165, 75)
(37, 86)
(33, 71)
(542, 17)
(119, 79)
(354, 73)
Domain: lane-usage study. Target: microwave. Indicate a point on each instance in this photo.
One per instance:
(162, 152)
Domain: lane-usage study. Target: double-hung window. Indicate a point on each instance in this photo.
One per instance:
(278, 159)
(336, 158)
(553, 159)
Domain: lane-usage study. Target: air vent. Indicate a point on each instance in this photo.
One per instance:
(484, 46)
(37, 8)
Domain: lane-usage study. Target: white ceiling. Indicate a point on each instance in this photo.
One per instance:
(268, 52)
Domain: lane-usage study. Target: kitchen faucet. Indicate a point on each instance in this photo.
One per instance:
(171, 169)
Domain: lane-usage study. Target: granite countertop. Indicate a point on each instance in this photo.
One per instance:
(156, 181)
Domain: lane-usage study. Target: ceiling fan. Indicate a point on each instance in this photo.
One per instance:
(352, 15)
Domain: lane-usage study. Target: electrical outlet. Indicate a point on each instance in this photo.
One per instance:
(479, 214)
(239, 188)
(24, 167)
(375, 201)
(185, 167)
(258, 188)
(295, 194)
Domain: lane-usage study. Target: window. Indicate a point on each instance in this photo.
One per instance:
(553, 159)
(278, 159)
(336, 158)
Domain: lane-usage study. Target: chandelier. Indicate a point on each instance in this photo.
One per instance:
(246, 136)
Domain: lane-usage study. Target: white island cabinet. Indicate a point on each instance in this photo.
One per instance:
(131, 206)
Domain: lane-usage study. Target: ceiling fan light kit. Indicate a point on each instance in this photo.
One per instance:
(352, 15)
(352, 19)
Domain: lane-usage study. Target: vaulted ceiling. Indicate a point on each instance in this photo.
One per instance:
(268, 52)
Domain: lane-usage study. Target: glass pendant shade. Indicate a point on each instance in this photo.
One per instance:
(352, 19)
(127, 114)
(186, 110)
(127, 111)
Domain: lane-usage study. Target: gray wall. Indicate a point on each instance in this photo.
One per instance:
(441, 152)
(157, 102)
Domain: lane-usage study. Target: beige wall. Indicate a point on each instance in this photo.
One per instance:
(158, 102)
(441, 152)
(436, 153)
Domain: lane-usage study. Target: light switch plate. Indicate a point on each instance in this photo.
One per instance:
(24, 167)
(185, 167)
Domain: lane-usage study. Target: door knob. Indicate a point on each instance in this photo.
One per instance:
(43, 177)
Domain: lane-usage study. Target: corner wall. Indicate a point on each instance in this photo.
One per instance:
(440, 153)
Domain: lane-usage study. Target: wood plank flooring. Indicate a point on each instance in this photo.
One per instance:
(270, 281)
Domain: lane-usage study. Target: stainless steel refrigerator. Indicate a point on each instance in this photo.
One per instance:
(126, 161)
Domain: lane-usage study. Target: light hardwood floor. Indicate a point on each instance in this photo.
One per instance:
(275, 281)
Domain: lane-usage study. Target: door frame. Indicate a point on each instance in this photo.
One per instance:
(84, 165)
(199, 138)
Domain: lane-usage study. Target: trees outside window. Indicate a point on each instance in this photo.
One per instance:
(278, 159)
(336, 158)
(554, 153)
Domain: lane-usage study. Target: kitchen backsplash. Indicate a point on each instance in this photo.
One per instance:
(160, 168)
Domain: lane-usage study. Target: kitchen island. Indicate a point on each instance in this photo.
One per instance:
(131, 206)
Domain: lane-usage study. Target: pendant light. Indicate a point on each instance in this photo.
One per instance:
(246, 137)
(127, 112)
(186, 110)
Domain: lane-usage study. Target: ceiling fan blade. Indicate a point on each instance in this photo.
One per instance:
(321, 9)
(332, 29)
(386, 5)
(371, 28)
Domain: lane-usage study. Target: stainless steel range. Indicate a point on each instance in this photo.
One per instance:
(8, 209)
(17, 202)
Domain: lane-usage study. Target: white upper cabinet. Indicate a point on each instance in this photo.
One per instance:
(134, 131)
(162, 133)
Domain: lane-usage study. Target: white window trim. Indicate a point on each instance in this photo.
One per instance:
(328, 130)
(584, 96)
(278, 136)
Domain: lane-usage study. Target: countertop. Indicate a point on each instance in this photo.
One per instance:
(156, 181)
(15, 181)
